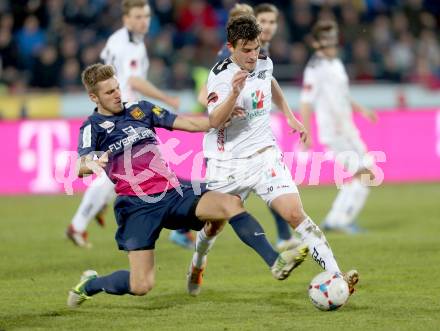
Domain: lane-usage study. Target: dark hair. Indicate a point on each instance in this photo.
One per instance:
(265, 8)
(243, 27)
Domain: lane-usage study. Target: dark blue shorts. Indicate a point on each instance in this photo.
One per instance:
(140, 222)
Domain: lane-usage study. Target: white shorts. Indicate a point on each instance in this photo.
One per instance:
(351, 152)
(263, 173)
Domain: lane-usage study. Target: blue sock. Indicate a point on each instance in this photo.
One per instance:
(252, 234)
(117, 283)
(282, 226)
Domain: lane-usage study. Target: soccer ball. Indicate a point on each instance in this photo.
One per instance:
(328, 291)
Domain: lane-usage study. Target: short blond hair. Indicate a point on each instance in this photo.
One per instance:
(266, 8)
(94, 74)
(240, 9)
(127, 5)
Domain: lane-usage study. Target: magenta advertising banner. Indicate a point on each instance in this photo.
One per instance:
(40, 155)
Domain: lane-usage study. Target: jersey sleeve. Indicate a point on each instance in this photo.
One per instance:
(160, 117)
(218, 90)
(310, 86)
(108, 55)
(87, 139)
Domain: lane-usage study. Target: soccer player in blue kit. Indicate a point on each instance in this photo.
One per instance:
(120, 139)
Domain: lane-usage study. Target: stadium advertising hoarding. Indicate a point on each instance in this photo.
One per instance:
(406, 145)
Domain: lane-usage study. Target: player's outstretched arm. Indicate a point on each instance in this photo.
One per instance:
(222, 113)
(191, 123)
(367, 113)
(149, 90)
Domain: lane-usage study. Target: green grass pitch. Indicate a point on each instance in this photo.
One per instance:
(398, 259)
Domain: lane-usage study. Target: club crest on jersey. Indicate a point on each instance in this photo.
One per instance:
(107, 125)
(137, 113)
(212, 97)
(157, 111)
(257, 99)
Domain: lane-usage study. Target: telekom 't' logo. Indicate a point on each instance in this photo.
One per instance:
(41, 145)
(437, 130)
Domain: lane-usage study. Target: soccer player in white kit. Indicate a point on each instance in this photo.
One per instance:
(326, 90)
(125, 50)
(244, 156)
(266, 15)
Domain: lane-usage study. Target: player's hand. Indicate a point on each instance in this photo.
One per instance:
(307, 145)
(368, 114)
(174, 102)
(238, 81)
(237, 112)
(299, 127)
(103, 160)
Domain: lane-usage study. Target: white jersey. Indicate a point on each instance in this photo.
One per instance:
(326, 88)
(244, 136)
(129, 57)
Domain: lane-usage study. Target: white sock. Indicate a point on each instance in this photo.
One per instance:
(203, 245)
(318, 245)
(337, 213)
(358, 196)
(94, 199)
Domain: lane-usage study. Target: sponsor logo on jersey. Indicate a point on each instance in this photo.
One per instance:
(109, 126)
(137, 113)
(133, 136)
(158, 111)
(257, 99)
(212, 97)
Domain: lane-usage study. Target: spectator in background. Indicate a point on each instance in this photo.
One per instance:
(298, 57)
(181, 76)
(8, 49)
(69, 48)
(362, 67)
(46, 69)
(70, 76)
(352, 29)
(402, 53)
(190, 31)
(30, 39)
(81, 13)
(194, 17)
(381, 35)
(300, 19)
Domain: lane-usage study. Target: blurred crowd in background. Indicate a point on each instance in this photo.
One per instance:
(44, 44)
